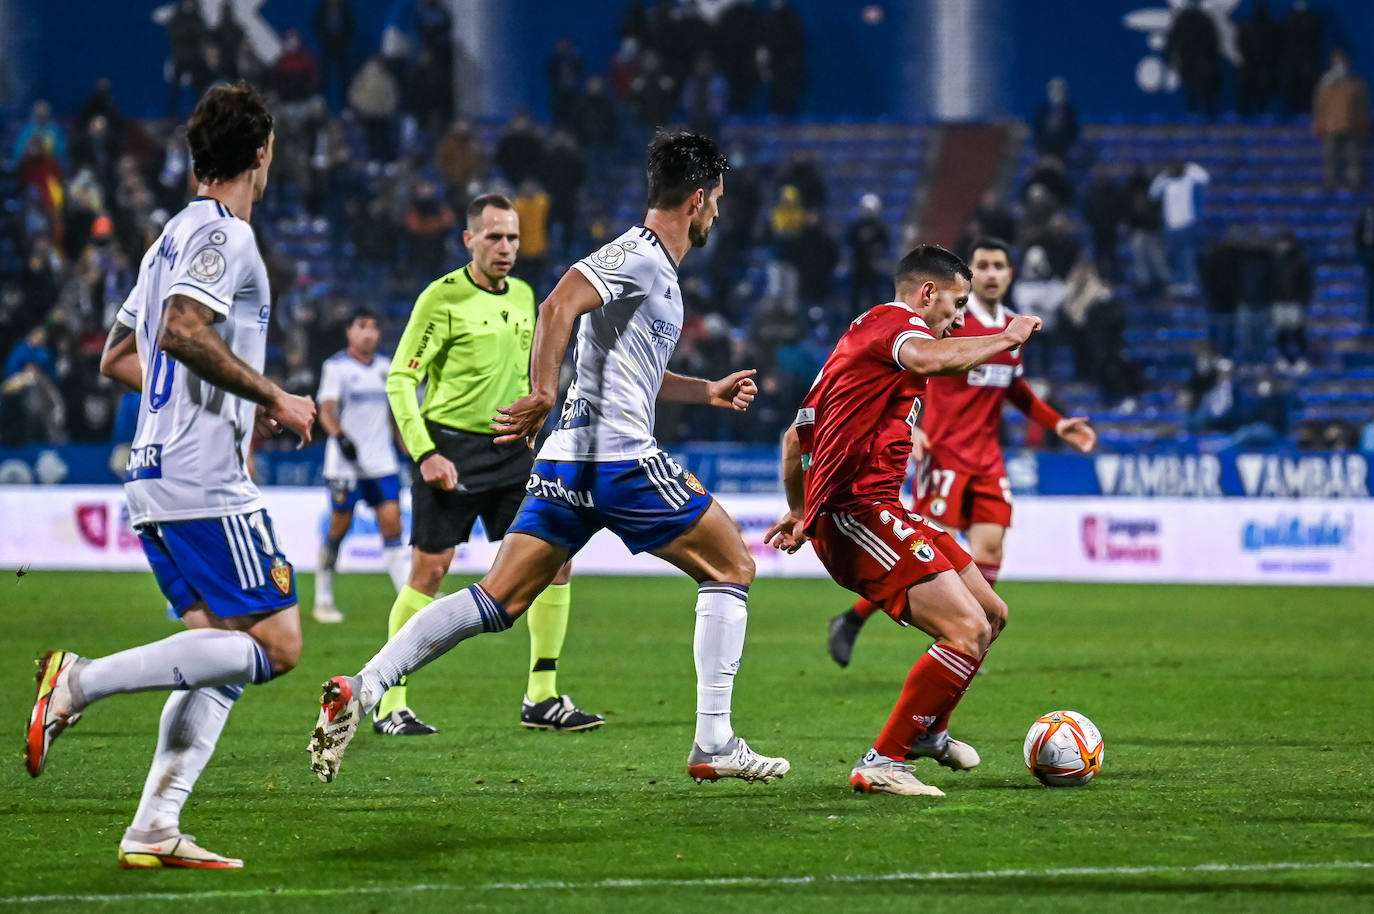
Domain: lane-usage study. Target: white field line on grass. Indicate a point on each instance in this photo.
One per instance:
(704, 882)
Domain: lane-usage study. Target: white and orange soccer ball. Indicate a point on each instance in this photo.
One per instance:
(1064, 749)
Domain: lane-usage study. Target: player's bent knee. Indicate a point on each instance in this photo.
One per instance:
(970, 634)
(284, 653)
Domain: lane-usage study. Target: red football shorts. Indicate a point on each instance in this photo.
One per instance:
(954, 500)
(880, 550)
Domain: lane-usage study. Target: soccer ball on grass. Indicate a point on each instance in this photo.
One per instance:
(1064, 749)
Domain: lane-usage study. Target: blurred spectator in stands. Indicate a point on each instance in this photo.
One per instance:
(1055, 128)
(653, 93)
(565, 170)
(802, 172)
(1219, 275)
(1259, 56)
(334, 26)
(374, 97)
(176, 166)
(1038, 291)
(1061, 245)
(1340, 116)
(784, 40)
(703, 97)
(596, 124)
(1364, 250)
(788, 214)
(869, 244)
(564, 72)
(815, 254)
(434, 26)
(1254, 415)
(1212, 391)
(1179, 191)
(332, 179)
(295, 77)
(1301, 57)
(520, 150)
(1094, 325)
(428, 224)
(29, 398)
(1048, 172)
(227, 39)
(38, 282)
(995, 218)
(40, 178)
(186, 38)
(101, 102)
(1193, 50)
(623, 68)
(94, 149)
(1148, 268)
(461, 160)
(84, 204)
(1103, 210)
(432, 89)
(740, 28)
(532, 203)
(1293, 289)
(1340, 436)
(41, 128)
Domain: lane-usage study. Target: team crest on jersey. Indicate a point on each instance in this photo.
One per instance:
(281, 575)
(693, 483)
(611, 257)
(207, 264)
(922, 550)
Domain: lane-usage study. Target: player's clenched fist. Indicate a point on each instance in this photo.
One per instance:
(1021, 327)
(296, 413)
(734, 391)
(438, 471)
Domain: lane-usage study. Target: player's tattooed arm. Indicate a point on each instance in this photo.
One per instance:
(955, 355)
(119, 361)
(188, 335)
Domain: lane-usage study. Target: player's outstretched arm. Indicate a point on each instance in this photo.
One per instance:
(119, 361)
(573, 297)
(1073, 429)
(188, 336)
(734, 391)
(955, 355)
(786, 534)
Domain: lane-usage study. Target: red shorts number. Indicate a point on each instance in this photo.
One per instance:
(880, 550)
(955, 500)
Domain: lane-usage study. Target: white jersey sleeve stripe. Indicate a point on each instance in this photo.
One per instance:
(597, 282)
(208, 299)
(902, 338)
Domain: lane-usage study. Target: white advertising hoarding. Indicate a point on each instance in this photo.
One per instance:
(1233, 540)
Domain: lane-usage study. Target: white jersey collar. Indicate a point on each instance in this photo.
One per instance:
(987, 317)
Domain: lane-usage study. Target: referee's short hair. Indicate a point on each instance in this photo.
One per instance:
(228, 127)
(479, 205)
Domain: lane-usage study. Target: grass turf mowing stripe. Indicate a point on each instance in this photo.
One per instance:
(708, 882)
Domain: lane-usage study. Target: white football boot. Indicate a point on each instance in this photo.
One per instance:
(737, 760)
(340, 712)
(54, 707)
(950, 753)
(877, 773)
(179, 851)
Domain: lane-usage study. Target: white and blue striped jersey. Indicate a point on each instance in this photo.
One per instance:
(622, 351)
(364, 416)
(190, 452)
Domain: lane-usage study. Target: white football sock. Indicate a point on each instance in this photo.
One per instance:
(722, 614)
(428, 635)
(186, 660)
(186, 736)
(397, 560)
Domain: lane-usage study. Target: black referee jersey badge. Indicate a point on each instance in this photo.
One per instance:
(281, 575)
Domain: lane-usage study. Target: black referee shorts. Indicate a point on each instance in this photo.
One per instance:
(493, 478)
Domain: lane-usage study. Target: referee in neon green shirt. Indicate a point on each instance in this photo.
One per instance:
(468, 339)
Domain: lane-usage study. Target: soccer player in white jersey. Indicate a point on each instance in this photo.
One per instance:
(359, 461)
(192, 338)
(601, 468)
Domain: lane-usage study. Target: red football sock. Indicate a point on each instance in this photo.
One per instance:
(989, 571)
(932, 689)
(864, 608)
(942, 722)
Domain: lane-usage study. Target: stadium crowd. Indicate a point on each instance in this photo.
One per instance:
(374, 162)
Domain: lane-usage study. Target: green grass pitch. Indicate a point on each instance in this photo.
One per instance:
(1237, 720)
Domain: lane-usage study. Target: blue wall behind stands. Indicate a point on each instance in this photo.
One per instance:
(856, 70)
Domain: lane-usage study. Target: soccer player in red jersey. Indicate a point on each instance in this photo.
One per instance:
(844, 463)
(963, 485)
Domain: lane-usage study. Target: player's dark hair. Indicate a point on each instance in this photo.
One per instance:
(930, 261)
(990, 243)
(479, 204)
(362, 314)
(680, 164)
(228, 127)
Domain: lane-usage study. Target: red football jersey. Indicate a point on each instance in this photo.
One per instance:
(964, 411)
(855, 424)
